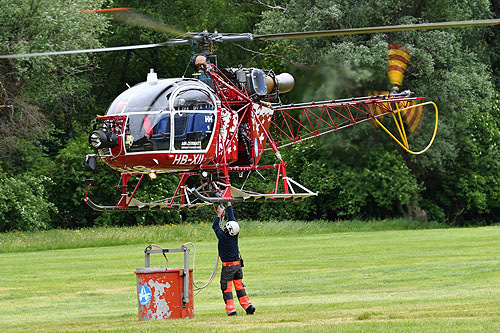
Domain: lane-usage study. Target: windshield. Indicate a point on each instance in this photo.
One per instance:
(193, 99)
(144, 97)
(187, 126)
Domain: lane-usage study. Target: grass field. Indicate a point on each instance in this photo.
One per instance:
(300, 277)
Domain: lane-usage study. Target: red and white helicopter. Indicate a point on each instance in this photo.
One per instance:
(222, 121)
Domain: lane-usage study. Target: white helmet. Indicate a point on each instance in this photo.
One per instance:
(232, 228)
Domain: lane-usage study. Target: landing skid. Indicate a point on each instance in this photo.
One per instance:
(207, 194)
(136, 205)
(243, 195)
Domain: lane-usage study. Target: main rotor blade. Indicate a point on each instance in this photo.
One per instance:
(106, 49)
(142, 20)
(127, 15)
(372, 30)
(133, 17)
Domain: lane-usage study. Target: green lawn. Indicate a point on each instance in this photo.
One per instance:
(401, 280)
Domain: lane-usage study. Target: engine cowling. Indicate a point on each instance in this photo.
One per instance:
(263, 83)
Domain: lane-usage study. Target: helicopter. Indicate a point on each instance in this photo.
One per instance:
(222, 121)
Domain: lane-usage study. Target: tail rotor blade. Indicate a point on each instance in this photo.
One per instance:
(397, 63)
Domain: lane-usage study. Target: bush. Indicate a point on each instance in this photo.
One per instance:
(24, 204)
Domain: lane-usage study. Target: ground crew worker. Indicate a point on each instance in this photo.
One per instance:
(231, 263)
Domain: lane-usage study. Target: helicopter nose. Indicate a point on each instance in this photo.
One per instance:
(99, 139)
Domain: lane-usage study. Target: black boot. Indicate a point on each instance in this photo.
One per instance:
(250, 310)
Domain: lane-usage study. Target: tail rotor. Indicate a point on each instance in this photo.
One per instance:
(397, 63)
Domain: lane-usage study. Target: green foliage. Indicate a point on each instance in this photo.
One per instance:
(68, 190)
(32, 156)
(41, 96)
(456, 178)
(46, 105)
(55, 84)
(24, 204)
(373, 183)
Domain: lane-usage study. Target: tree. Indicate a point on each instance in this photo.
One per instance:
(40, 99)
(450, 175)
(40, 91)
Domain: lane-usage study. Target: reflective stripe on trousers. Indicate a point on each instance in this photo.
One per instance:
(233, 275)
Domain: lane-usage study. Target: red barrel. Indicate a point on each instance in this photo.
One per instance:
(160, 293)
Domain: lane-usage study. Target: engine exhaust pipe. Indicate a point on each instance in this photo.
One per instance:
(284, 82)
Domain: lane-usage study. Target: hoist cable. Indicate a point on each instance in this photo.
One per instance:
(213, 272)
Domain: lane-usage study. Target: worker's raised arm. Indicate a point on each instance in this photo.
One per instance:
(230, 214)
(217, 229)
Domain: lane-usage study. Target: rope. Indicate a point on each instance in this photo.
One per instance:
(211, 276)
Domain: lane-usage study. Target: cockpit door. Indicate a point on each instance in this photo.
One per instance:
(193, 110)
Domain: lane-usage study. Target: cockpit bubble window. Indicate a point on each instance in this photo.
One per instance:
(194, 118)
(188, 125)
(144, 97)
(142, 129)
(193, 130)
(193, 99)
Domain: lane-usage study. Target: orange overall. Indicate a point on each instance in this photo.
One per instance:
(232, 273)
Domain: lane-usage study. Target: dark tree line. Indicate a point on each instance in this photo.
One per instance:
(47, 104)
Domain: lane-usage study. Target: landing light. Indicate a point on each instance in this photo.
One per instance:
(152, 174)
(95, 139)
(100, 139)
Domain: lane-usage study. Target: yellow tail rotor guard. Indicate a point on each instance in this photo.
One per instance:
(401, 129)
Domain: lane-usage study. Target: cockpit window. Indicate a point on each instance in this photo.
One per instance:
(187, 126)
(193, 99)
(144, 97)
